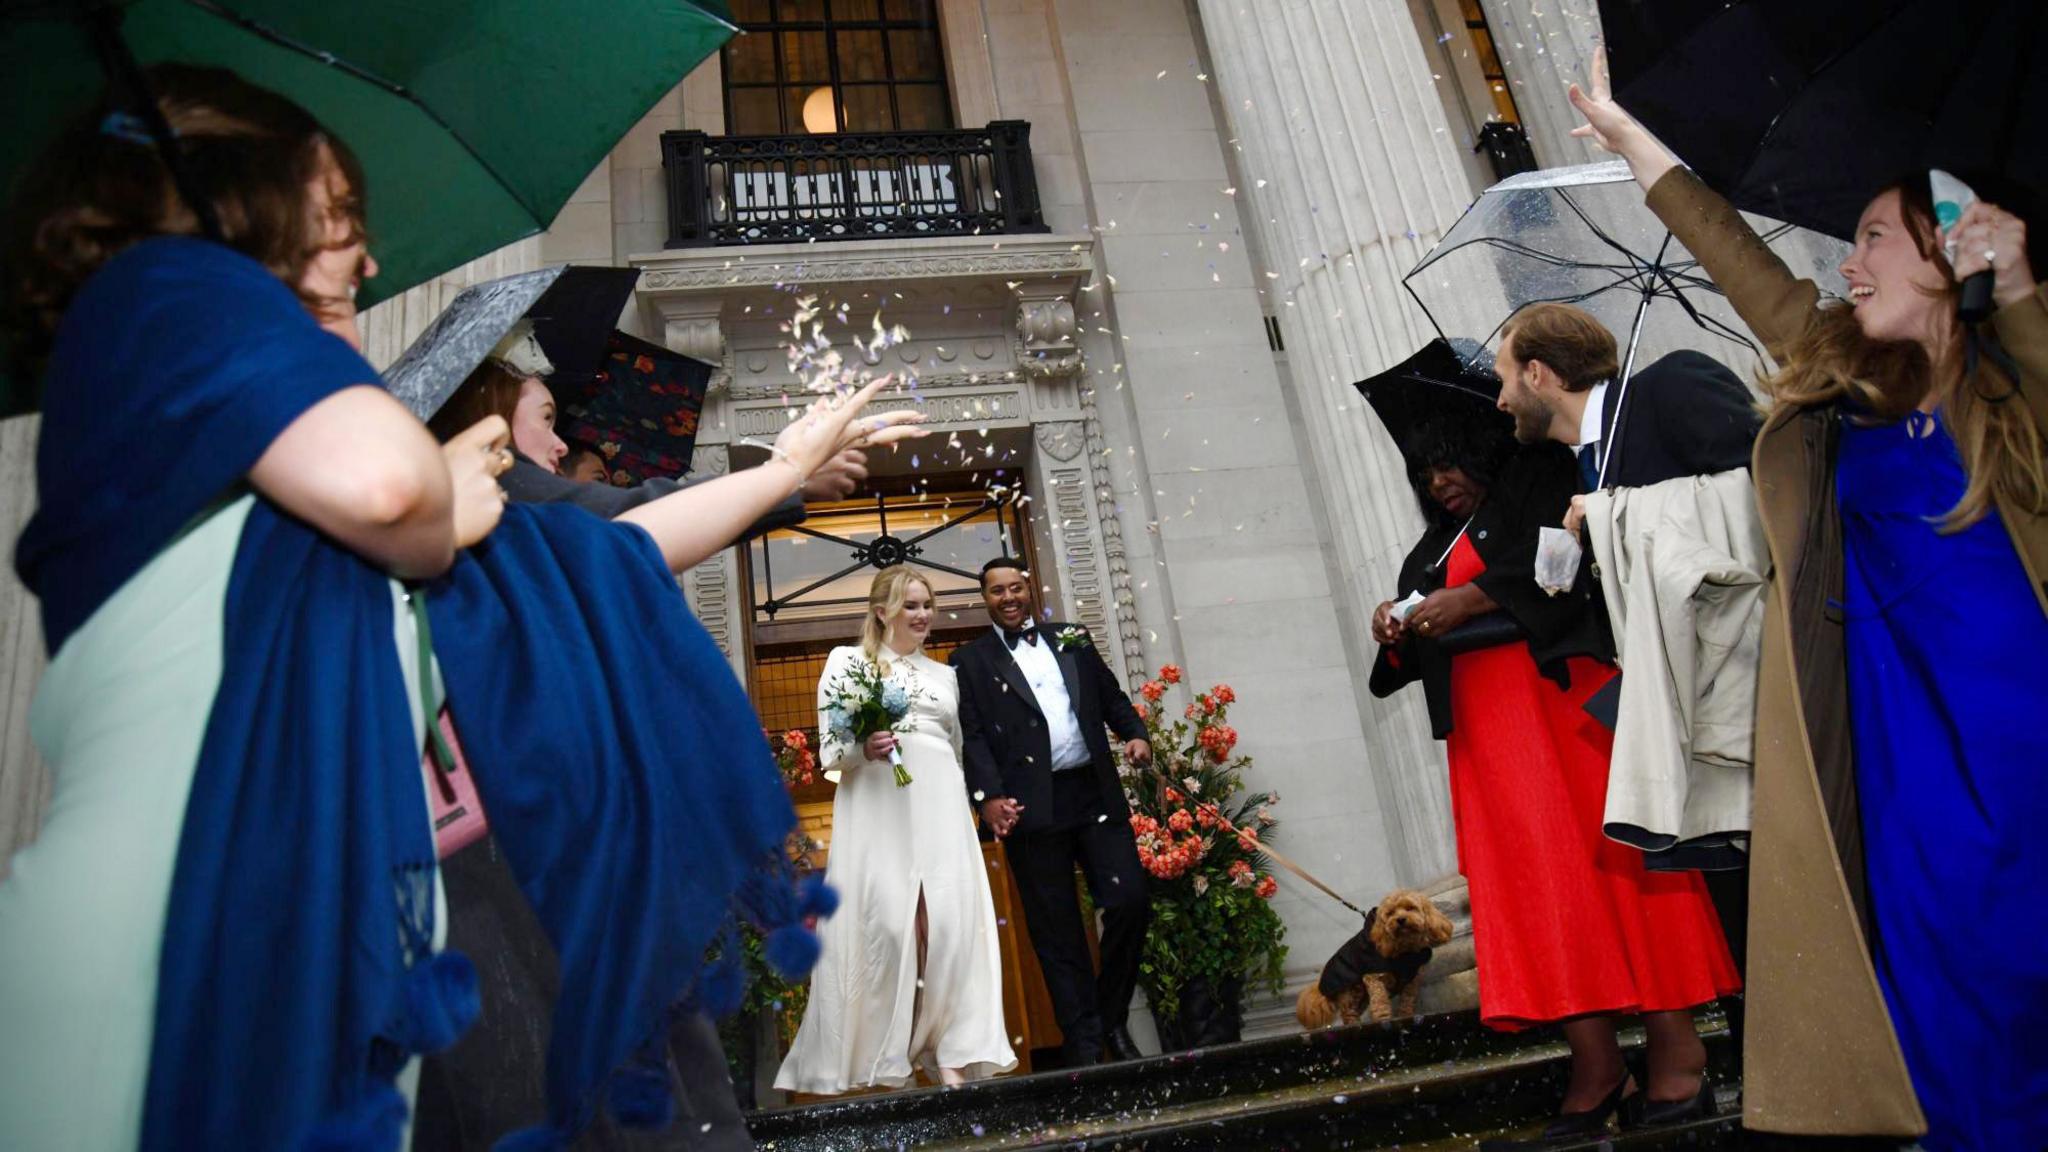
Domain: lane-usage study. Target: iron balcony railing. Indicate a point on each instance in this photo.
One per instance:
(850, 186)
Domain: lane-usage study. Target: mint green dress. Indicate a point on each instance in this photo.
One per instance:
(119, 718)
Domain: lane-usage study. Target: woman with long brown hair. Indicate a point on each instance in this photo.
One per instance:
(1898, 856)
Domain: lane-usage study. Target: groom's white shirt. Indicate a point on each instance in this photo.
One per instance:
(1041, 670)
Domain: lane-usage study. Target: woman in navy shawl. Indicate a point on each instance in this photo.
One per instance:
(249, 558)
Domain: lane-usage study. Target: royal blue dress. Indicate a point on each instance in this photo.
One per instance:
(1948, 701)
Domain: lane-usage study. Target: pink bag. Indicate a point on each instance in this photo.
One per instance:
(451, 794)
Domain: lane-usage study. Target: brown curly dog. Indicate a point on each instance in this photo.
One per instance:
(1380, 967)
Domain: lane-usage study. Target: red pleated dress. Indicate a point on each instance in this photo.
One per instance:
(1565, 922)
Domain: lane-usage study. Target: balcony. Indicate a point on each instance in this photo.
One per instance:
(730, 190)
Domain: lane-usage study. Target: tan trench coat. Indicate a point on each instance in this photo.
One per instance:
(1820, 1057)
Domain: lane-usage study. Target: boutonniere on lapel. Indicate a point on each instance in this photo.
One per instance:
(1069, 638)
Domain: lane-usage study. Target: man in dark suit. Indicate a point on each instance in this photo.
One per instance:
(1684, 415)
(1035, 700)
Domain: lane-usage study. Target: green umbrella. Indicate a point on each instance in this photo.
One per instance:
(475, 120)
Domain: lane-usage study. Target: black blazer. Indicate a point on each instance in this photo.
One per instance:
(1533, 490)
(1688, 415)
(1006, 749)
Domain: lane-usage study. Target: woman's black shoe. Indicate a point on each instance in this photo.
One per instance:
(1642, 1112)
(1571, 1126)
(1577, 1125)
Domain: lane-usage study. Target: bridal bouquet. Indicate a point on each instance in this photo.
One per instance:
(862, 702)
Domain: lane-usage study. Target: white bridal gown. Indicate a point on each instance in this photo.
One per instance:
(868, 1020)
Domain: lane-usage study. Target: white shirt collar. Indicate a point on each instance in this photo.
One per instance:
(1589, 423)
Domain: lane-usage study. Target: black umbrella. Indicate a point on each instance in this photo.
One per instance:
(1801, 109)
(1439, 384)
(576, 315)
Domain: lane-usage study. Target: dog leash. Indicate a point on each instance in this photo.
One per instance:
(1291, 866)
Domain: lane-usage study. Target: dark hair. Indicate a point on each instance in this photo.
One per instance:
(1568, 340)
(92, 195)
(491, 390)
(1002, 562)
(1478, 447)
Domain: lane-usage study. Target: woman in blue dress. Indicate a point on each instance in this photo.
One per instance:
(257, 572)
(1902, 479)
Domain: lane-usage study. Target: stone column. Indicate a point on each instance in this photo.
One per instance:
(1544, 46)
(24, 781)
(1352, 174)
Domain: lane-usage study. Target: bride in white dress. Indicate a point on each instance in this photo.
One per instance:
(911, 974)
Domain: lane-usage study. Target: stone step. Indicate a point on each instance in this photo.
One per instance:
(1438, 1082)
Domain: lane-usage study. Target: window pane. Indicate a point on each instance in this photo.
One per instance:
(797, 100)
(922, 106)
(750, 11)
(915, 55)
(799, 9)
(860, 56)
(754, 113)
(856, 10)
(803, 57)
(867, 108)
(750, 59)
(919, 10)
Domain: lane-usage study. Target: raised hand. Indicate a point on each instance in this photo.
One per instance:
(837, 478)
(829, 427)
(1610, 126)
(476, 457)
(1989, 237)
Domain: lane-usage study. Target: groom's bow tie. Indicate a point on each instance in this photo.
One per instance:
(1027, 635)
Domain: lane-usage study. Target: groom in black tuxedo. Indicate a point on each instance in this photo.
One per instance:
(1034, 702)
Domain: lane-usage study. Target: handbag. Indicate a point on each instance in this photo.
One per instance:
(453, 806)
(1488, 631)
(457, 811)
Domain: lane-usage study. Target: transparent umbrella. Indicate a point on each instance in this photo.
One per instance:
(1583, 236)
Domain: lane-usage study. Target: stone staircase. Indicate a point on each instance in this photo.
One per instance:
(1430, 1085)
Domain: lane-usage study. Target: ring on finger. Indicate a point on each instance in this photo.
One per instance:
(1990, 255)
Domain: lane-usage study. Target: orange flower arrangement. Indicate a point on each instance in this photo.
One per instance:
(1198, 841)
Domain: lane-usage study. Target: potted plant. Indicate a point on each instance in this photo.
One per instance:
(1213, 930)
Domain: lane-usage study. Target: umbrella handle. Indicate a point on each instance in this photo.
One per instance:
(128, 87)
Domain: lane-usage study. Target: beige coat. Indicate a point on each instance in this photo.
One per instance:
(1820, 1056)
(1682, 565)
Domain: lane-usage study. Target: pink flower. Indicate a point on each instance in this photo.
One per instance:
(1266, 887)
(1180, 821)
(1170, 673)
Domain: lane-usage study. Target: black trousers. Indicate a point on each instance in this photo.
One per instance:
(1086, 1003)
(492, 1081)
(1729, 889)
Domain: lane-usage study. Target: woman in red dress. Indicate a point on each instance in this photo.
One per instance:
(1567, 926)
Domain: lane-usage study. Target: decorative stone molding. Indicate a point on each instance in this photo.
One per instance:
(710, 593)
(1131, 638)
(792, 265)
(710, 460)
(943, 382)
(1074, 534)
(1062, 440)
(999, 405)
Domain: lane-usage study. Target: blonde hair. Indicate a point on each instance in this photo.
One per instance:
(1995, 434)
(885, 599)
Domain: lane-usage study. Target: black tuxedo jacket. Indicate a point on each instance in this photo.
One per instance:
(1006, 749)
(1532, 492)
(1687, 415)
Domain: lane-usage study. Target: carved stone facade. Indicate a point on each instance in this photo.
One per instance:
(993, 361)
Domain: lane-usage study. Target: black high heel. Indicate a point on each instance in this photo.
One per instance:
(1593, 1121)
(1570, 1127)
(1643, 1112)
